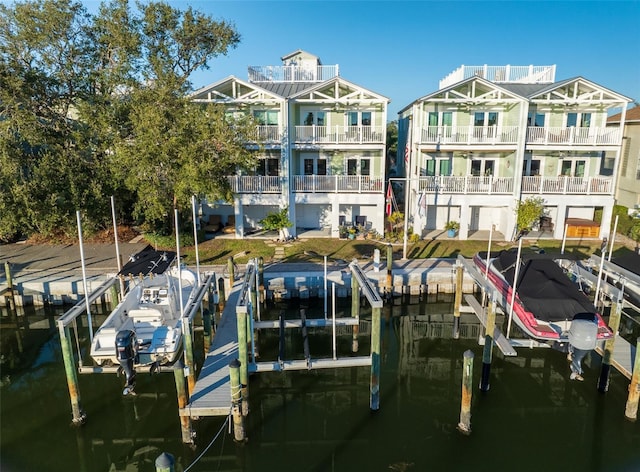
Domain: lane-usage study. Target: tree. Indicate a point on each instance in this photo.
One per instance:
(392, 148)
(277, 221)
(528, 211)
(93, 106)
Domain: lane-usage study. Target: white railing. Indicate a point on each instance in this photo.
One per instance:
(467, 184)
(573, 135)
(470, 134)
(567, 185)
(292, 73)
(255, 184)
(339, 134)
(515, 74)
(267, 134)
(337, 183)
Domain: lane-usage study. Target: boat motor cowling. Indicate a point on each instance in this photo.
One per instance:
(583, 333)
(126, 348)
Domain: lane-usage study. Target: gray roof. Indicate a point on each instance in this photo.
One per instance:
(524, 90)
(285, 89)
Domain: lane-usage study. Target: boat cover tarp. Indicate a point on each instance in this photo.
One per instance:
(629, 261)
(544, 288)
(148, 261)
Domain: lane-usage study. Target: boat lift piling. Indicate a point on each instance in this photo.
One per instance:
(457, 300)
(614, 323)
(487, 353)
(236, 401)
(183, 399)
(464, 426)
(10, 291)
(389, 284)
(631, 409)
(355, 312)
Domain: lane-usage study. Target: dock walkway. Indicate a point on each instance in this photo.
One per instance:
(212, 393)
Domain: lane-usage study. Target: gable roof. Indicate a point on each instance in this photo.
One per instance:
(340, 81)
(202, 93)
(286, 89)
(632, 115)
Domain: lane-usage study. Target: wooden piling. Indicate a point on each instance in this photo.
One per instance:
(188, 354)
(221, 296)
(389, 284)
(243, 356)
(281, 343)
(457, 301)
(232, 272)
(260, 287)
(114, 295)
(614, 323)
(355, 311)
(305, 338)
(631, 409)
(183, 400)
(7, 272)
(206, 324)
(487, 353)
(165, 463)
(236, 401)
(464, 426)
(374, 401)
(79, 416)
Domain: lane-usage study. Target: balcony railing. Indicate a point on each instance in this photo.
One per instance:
(573, 135)
(467, 184)
(515, 74)
(339, 134)
(567, 185)
(255, 183)
(469, 135)
(337, 183)
(267, 134)
(292, 73)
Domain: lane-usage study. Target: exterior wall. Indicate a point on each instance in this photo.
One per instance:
(628, 190)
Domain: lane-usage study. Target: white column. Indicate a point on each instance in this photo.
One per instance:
(558, 224)
(465, 218)
(239, 214)
(335, 215)
(605, 224)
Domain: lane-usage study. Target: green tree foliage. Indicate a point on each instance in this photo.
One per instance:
(528, 211)
(96, 105)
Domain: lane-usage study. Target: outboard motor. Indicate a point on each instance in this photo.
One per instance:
(126, 354)
(584, 331)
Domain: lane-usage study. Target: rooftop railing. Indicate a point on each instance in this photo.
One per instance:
(503, 74)
(292, 73)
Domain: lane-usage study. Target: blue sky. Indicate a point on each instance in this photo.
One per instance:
(402, 49)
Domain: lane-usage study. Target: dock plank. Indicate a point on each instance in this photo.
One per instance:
(623, 355)
(212, 393)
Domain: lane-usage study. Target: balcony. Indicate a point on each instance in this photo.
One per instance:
(469, 135)
(267, 134)
(567, 185)
(255, 183)
(592, 136)
(337, 183)
(303, 73)
(488, 185)
(339, 134)
(503, 74)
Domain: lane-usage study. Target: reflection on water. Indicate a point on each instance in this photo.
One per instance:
(533, 418)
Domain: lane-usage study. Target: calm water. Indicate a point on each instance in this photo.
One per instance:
(532, 419)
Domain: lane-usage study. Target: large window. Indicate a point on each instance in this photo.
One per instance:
(266, 117)
(268, 167)
(482, 118)
(584, 119)
(481, 167)
(437, 166)
(315, 118)
(444, 118)
(315, 166)
(356, 166)
(536, 119)
(573, 168)
(357, 118)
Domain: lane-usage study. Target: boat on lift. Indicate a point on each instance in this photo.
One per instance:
(145, 328)
(546, 300)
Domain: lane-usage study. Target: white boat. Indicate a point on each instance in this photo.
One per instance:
(145, 328)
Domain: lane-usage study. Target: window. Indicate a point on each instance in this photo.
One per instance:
(489, 118)
(308, 167)
(565, 168)
(574, 118)
(315, 166)
(356, 118)
(365, 167)
(266, 117)
(480, 167)
(315, 118)
(352, 166)
(268, 167)
(536, 119)
(322, 166)
(445, 118)
(437, 166)
(531, 167)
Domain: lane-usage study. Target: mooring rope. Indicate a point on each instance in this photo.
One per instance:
(209, 445)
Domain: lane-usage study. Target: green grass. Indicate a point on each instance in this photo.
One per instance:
(217, 251)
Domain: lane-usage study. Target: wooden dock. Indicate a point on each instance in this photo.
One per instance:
(212, 393)
(624, 354)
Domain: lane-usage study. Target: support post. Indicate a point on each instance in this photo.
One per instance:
(305, 338)
(188, 354)
(355, 311)
(206, 321)
(464, 426)
(389, 272)
(79, 416)
(236, 401)
(243, 356)
(221, 296)
(631, 409)
(165, 463)
(487, 353)
(7, 272)
(114, 294)
(232, 273)
(262, 297)
(281, 341)
(374, 402)
(457, 301)
(183, 399)
(607, 355)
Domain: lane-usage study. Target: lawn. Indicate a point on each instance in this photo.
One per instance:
(218, 251)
